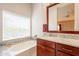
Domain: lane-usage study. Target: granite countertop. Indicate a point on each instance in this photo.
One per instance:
(16, 48)
(71, 42)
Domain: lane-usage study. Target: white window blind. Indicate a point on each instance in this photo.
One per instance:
(15, 25)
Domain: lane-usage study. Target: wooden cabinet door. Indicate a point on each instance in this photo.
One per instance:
(58, 53)
(49, 51)
(45, 51)
(45, 48)
(40, 50)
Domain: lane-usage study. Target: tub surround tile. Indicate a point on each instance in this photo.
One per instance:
(14, 41)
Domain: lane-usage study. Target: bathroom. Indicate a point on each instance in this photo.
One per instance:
(39, 29)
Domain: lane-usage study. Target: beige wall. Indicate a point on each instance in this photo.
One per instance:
(1, 26)
(38, 18)
(18, 8)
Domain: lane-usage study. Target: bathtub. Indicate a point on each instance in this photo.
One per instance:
(19, 48)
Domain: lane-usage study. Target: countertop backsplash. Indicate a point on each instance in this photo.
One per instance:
(62, 35)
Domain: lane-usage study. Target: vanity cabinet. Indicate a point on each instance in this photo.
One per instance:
(49, 48)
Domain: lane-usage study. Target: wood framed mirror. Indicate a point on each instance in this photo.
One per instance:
(62, 18)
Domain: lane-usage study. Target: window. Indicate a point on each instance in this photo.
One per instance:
(15, 26)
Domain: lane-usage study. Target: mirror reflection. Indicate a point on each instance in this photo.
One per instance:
(61, 17)
(65, 17)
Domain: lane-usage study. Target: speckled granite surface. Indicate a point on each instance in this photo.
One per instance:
(71, 42)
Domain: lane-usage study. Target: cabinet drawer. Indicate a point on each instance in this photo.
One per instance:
(46, 43)
(59, 53)
(68, 49)
(40, 41)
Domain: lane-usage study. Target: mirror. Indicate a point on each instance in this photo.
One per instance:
(61, 17)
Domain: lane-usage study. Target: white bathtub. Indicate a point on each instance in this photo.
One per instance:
(19, 48)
